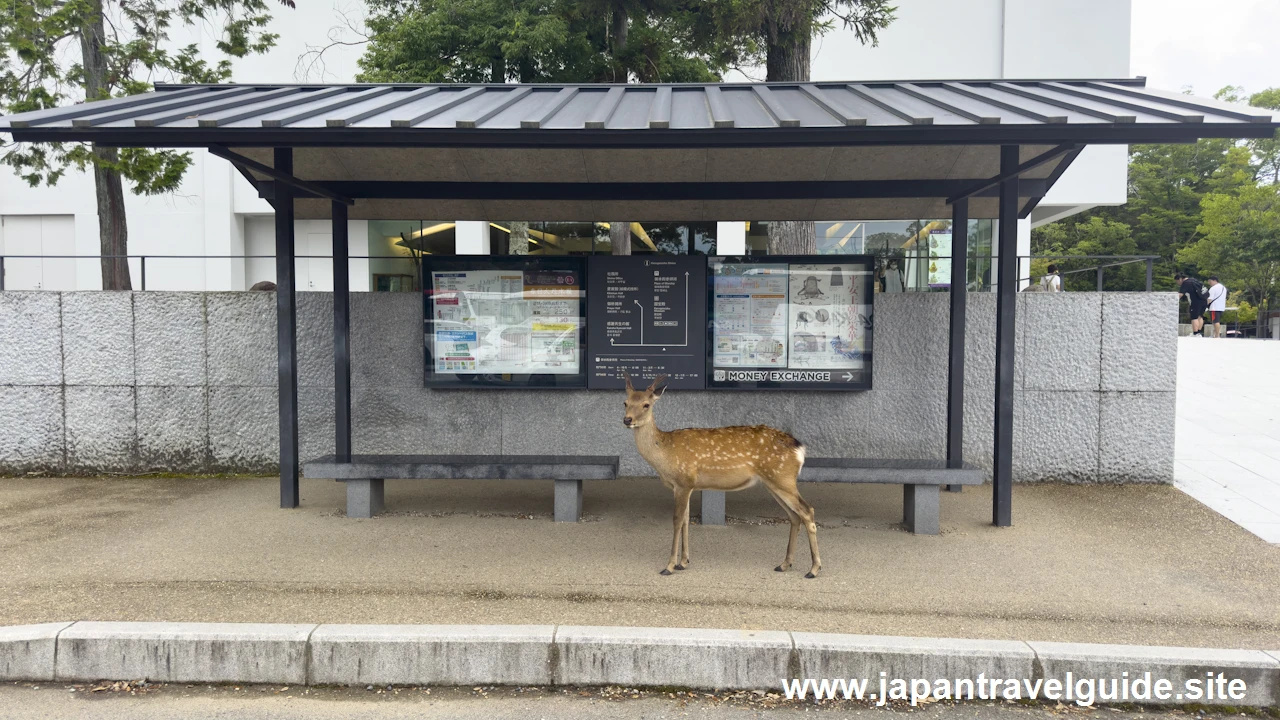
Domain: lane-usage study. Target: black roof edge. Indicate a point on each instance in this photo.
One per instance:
(837, 136)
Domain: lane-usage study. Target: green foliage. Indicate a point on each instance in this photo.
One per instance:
(767, 20)
(1266, 152)
(1092, 236)
(42, 66)
(540, 41)
(1212, 208)
(575, 40)
(1244, 312)
(1240, 240)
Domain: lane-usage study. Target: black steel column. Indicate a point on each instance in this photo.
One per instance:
(341, 335)
(286, 333)
(955, 373)
(1006, 327)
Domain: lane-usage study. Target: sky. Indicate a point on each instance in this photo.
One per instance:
(1176, 44)
(1206, 45)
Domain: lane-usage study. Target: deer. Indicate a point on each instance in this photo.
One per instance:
(722, 458)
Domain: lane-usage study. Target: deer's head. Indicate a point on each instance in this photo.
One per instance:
(639, 403)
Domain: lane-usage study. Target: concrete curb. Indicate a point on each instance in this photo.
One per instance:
(573, 655)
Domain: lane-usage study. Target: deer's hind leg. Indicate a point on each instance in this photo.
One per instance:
(790, 496)
(679, 521)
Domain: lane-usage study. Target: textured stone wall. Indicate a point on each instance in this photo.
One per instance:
(186, 382)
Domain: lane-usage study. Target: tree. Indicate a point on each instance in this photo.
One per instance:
(52, 51)
(1266, 152)
(1096, 236)
(785, 29)
(555, 41)
(1241, 241)
(1163, 211)
(544, 41)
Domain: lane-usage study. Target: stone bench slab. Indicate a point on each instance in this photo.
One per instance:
(920, 480)
(888, 472)
(465, 467)
(365, 475)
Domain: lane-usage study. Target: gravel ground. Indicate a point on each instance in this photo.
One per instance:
(1122, 564)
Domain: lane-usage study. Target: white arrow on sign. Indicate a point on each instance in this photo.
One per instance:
(848, 377)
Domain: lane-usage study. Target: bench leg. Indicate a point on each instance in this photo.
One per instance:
(712, 507)
(365, 498)
(920, 509)
(568, 500)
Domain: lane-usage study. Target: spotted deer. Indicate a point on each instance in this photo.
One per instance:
(724, 458)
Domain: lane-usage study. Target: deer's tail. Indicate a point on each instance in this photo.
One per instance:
(800, 449)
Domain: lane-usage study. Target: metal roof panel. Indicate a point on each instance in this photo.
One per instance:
(744, 114)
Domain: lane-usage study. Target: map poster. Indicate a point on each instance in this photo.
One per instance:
(502, 321)
(646, 315)
(827, 324)
(940, 259)
(749, 327)
(791, 322)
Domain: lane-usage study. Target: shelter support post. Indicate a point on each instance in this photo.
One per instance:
(341, 336)
(1006, 328)
(1099, 278)
(286, 334)
(955, 372)
(1149, 264)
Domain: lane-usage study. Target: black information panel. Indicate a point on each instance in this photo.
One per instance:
(503, 321)
(646, 315)
(790, 322)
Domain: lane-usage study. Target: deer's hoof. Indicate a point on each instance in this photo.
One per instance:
(779, 569)
(810, 575)
(665, 572)
(679, 567)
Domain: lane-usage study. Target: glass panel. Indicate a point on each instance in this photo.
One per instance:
(504, 321)
(567, 238)
(791, 322)
(396, 246)
(911, 255)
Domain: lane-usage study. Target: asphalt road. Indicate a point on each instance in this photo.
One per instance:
(57, 701)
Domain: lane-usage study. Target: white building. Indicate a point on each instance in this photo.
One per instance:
(216, 218)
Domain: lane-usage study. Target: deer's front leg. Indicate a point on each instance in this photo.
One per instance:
(684, 535)
(677, 521)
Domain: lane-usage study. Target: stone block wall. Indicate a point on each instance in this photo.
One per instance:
(103, 382)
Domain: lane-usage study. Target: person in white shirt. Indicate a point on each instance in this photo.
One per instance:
(1052, 282)
(1217, 304)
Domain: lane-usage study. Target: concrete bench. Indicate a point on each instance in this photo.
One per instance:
(365, 474)
(921, 481)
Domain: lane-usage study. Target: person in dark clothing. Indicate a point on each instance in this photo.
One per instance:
(1197, 298)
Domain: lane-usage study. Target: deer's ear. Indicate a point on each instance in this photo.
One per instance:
(658, 387)
(627, 376)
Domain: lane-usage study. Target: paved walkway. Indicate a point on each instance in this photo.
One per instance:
(1228, 432)
(1129, 564)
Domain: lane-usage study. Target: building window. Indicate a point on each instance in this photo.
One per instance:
(912, 255)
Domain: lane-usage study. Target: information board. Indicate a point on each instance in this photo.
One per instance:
(940, 259)
(500, 321)
(646, 315)
(790, 322)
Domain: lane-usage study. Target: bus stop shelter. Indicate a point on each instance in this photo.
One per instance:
(783, 151)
